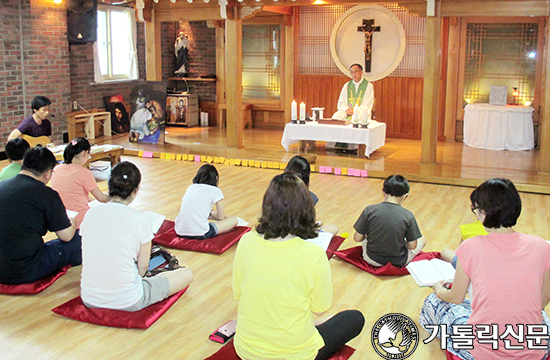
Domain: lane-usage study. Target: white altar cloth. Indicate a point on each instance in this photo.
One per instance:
(374, 137)
(499, 127)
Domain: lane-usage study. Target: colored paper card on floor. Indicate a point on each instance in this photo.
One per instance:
(209, 159)
(344, 171)
(222, 160)
(322, 169)
(227, 162)
(197, 158)
(245, 162)
(264, 164)
(357, 173)
(337, 171)
(313, 168)
(190, 157)
(270, 165)
(328, 169)
(351, 171)
(148, 154)
(216, 159)
(238, 162)
(172, 156)
(364, 173)
(203, 158)
(140, 153)
(257, 164)
(178, 157)
(282, 166)
(184, 157)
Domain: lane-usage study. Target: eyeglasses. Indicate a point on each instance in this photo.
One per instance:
(474, 208)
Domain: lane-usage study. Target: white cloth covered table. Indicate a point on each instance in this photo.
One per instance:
(497, 127)
(374, 137)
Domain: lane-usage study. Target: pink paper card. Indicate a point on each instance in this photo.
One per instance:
(147, 154)
(351, 172)
(197, 158)
(322, 169)
(364, 173)
(328, 169)
(357, 173)
(337, 171)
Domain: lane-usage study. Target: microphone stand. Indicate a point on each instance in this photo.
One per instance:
(73, 125)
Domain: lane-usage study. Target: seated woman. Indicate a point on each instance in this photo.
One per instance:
(116, 247)
(74, 182)
(301, 167)
(510, 278)
(281, 281)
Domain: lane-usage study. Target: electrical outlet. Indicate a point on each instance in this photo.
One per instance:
(75, 105)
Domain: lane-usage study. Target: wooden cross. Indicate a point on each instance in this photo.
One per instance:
(368, 28)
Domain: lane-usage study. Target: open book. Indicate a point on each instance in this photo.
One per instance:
(428, 272)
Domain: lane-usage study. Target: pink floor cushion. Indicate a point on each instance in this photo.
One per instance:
(354, 256)
(142, 319)
(451, 356)
(227, 352)
(334, 245)
(215, 245)
(34, 287)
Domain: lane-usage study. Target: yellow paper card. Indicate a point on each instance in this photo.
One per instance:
(257, 164)
(282, 166)
(344, 171)
(140, 154)
(245, 162)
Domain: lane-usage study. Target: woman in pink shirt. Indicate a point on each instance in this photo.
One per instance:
(74, 182)
(510, 285)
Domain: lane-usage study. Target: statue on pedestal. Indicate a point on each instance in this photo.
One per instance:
(182, 54)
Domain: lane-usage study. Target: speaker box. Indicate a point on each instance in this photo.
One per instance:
(81, 21)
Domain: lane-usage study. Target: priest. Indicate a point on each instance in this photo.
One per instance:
(359, 91)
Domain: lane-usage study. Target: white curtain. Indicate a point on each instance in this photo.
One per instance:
(98, 78)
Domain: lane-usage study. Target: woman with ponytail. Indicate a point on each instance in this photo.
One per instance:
(116, 247)
(74, 182)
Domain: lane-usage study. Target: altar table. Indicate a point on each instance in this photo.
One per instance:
(372, 138)
(496, 127)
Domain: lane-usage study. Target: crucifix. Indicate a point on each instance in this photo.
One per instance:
(368, 28)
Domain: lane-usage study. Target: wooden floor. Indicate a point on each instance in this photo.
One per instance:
(28, 329)
(457, 164)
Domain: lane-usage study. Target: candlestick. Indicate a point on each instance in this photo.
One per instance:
(302, 111)
(355, 116)
(293, 110)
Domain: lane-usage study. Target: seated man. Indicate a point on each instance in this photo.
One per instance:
(28, 209)
(15, 150)
(37, 124)
(388, 232)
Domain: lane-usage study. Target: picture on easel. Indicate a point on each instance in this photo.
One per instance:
(148, 121)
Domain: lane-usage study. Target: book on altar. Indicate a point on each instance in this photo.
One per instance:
(429, 272)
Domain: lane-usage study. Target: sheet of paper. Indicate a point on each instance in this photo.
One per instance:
(156, 220)
(71, 214)
(241, 222)
(93, 203)
(323, 240)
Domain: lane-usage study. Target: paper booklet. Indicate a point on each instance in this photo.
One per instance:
(323, 240)
(428, 272)
(156, 220)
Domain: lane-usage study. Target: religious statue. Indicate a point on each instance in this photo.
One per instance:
(368, 28)
(182, 54)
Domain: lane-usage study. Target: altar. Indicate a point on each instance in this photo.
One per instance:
(370, 139)
(498, 127)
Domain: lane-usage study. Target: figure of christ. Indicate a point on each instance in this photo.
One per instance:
(368, 28)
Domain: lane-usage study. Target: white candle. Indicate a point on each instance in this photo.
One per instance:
(302, 111)
(293, 110)
(356, 112)
(364, 114)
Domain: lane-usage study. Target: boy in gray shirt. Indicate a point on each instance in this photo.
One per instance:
(388, 232)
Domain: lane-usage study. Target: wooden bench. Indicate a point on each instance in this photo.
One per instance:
(247, 115)
(76, 121)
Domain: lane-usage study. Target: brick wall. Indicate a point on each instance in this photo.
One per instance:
(35, 61)
(45, 65)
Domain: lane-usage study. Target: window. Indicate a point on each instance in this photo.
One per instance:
(115, 54)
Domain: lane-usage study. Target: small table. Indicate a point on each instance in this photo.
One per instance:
(496, 127)
(370, 139)
(111, 152)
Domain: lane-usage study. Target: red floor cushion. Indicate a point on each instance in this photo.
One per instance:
(142, 319)
(34, 287)
(166, 236)
(227, 352)
(334, 245)
(354, 256)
